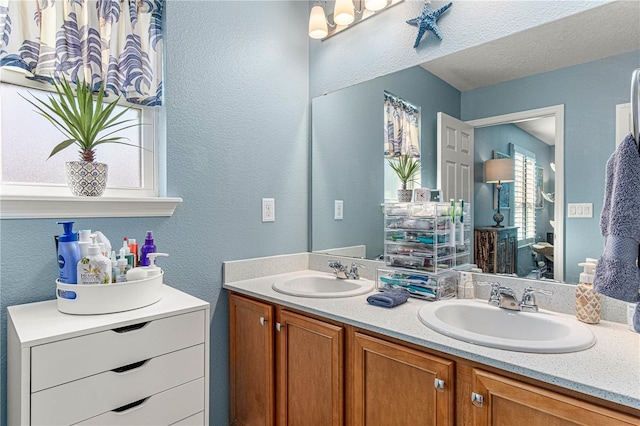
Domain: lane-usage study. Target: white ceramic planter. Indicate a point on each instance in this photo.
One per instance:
(86, 179)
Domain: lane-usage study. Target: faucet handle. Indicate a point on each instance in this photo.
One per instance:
(494, 298)
(528, 303)
(335, 264)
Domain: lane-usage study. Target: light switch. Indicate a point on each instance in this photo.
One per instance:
(338, 210)
(580, 210)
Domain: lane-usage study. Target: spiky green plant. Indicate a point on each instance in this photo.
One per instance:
(406, 167)
(80, 119)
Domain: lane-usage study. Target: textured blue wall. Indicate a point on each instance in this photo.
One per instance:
(347, 135)
(237, 120)
(589, 93)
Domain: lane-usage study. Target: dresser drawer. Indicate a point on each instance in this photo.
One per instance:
(71, 359)
(85, 398)
(196, 419)
(174, 406)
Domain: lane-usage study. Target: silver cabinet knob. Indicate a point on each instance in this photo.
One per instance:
(438, 384)
(477, 399)
(262, 321)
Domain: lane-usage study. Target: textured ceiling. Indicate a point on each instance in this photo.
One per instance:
(597, 33)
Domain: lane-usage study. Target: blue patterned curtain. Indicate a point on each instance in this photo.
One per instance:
(402, 127)
(115, 42)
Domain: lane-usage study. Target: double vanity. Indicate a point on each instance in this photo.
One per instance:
(307, 348)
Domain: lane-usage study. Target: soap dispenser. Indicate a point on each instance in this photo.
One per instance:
(587, 300)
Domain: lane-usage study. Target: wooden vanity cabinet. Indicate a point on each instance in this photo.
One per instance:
(309, 384)
(251, 362)
(507, 402)
(287, 368)
(397, 385)
(287, 371)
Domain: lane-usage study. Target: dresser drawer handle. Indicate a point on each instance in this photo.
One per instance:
(129, 328)
(130, 366)
(130, 406)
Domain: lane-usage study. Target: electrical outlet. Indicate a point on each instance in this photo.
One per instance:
(268, 210)
(338, 210)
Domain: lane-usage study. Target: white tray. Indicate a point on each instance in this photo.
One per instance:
(82, 299)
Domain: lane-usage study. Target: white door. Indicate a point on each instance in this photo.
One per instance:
(455, 159)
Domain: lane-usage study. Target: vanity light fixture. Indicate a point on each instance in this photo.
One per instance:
(345, 15)
(499, 170)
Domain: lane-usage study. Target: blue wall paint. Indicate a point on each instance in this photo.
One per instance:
(589, 93)
(237, 120)
(347, 135)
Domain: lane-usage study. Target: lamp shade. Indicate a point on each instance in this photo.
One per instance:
(499, 170)
(375, 5)
(343, 13)
(317, 23)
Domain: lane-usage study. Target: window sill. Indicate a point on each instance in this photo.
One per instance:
(29, 207)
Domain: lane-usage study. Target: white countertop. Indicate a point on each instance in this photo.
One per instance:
(609, 370)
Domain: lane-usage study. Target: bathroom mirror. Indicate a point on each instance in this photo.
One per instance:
(590, 77)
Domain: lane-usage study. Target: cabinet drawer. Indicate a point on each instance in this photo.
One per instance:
(71, 359)
(169, 407)
(82, 399)
(196, 419)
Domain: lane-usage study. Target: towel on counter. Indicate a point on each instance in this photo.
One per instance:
(389, 298)
(617, 273)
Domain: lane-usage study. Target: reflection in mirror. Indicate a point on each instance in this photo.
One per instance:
(347, 165)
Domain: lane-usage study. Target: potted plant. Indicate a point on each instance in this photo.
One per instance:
(83, 121)
(406, 167)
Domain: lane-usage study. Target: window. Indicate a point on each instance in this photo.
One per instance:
(27, 140)
(524, 194)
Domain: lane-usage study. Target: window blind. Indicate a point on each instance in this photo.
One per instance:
(524, 194)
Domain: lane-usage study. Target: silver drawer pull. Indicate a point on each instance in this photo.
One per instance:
(477, 399)
(130, 406)
(130, 366)
(129, 328)
(438, 384)
(262, 321)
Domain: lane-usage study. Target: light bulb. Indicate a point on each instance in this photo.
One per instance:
(317, 23)
(375, 5)
(343, 12)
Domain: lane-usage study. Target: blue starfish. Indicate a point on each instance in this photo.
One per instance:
(427, 21)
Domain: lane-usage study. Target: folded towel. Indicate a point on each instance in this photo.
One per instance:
(389, 298)
(636, 319)
(617, 274)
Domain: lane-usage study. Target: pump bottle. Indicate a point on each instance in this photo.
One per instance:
(148, 247)
(68, 254)
(587, 300)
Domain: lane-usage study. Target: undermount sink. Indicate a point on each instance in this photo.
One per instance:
(478, 322)
(321, 285)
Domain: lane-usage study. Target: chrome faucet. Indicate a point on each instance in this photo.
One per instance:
(341, 271)
(505, 297)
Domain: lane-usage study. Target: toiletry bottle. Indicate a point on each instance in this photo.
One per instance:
(115, 271)
(127, 253)
(84, 241)
(95, 268)
(122, 270)
(587, 300)
(148, 247)
(133, 246)
(152, 269)
(68, 254)
(123, 257)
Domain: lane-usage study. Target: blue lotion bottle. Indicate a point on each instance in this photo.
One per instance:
(68, 254)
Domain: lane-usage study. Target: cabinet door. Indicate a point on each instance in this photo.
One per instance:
(508, 402)
(396, 385)
(251, 362)
(310, 371)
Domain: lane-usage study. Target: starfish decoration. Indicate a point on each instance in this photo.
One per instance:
(427, 21)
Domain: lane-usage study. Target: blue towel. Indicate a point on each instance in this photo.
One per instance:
(617, 274)
(389, 298)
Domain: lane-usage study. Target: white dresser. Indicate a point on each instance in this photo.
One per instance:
(148, 366)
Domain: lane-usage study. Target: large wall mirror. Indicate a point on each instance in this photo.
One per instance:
(586, 76)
